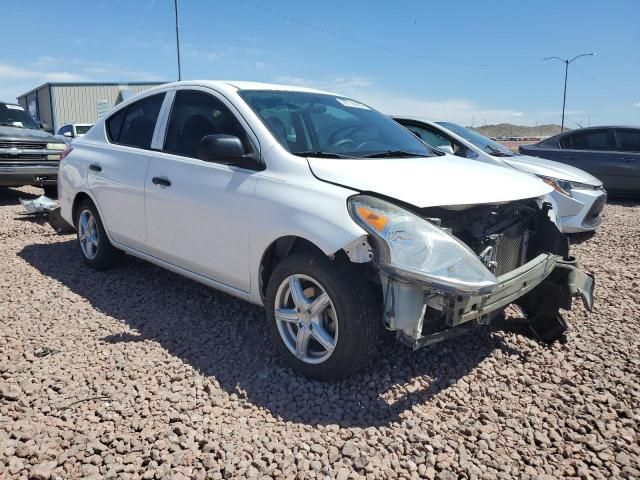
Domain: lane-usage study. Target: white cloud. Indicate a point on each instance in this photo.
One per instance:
(13, 72)
(636, 105)
(17, 80)
(393, 103)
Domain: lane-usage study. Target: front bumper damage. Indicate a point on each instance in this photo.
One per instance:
(424, 314)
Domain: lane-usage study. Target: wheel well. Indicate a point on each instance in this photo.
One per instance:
(278, 250)
(285, 246)
(80, 197)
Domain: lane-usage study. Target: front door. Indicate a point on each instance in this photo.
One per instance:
(197, 211)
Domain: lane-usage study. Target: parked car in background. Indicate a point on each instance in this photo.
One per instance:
(330, 214)
(69, 131)
(28, 155)
(610, 153)
(579, 196)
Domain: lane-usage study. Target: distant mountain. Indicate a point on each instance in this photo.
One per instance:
(509, 130)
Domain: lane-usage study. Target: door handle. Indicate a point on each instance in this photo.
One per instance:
(164, 181)
(95, 167)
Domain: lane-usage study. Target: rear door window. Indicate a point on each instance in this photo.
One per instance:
(589, 140)
(628, 139)
(134, 125)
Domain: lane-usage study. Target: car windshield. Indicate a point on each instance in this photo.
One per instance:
(82, 129)
(15, 116)
(322, 125)
(480, 141)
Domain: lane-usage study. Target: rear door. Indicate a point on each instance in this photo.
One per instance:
(591, 150)
(626, 165)
(117, 170)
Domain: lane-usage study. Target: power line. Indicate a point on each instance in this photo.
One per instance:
(144, 15)
(366, 43)
(601, 83)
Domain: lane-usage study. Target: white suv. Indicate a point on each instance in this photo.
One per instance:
(331, 215)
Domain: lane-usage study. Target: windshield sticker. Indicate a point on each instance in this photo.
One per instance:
(347, 102)
(14, 107)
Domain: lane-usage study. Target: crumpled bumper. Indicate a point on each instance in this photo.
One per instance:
(423, 315)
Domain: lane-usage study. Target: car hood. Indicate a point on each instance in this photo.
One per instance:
(549, 168)
(433, 181)
(26, 134)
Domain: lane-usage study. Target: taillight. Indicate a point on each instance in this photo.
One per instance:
(65, 152)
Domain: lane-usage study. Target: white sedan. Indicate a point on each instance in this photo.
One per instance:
(331, 215)
(578, 196)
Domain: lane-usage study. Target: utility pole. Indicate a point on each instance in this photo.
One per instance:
(175, 3)
(566, 73)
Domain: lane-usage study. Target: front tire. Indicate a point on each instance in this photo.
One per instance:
(94, 245)
(322, 316)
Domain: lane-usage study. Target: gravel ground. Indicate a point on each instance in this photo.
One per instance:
(139, 373)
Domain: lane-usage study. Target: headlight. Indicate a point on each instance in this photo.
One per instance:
(558, 185)
(56, 146)
(414, 248)
(579, 186)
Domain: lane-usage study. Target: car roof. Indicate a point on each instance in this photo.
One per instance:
(240, 85)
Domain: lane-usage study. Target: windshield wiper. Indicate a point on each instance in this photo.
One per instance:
(320, 154)
(5, 124)
(393, 153)
(499, 153)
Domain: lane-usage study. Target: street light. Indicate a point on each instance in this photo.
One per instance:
(175, 4)
(566, 71)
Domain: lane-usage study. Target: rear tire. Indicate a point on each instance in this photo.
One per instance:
(95, 248)
(329, 327)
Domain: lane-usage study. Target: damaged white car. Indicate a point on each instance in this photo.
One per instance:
(331, 215)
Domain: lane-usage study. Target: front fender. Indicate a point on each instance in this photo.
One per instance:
(312, 210)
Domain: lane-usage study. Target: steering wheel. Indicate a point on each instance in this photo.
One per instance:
(344, 143)
(345, 130)
(371, 144)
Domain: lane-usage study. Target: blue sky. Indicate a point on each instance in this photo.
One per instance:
(465, 61)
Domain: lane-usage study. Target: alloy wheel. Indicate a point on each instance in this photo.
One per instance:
(306, 319)
(88, 234)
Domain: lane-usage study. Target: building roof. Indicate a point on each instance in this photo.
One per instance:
(88, 84)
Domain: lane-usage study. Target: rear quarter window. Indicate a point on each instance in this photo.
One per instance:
(114, 125)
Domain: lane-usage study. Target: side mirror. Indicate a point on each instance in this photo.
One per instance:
(445, 149)
(43, 126)
(228, 150)
(68, 134)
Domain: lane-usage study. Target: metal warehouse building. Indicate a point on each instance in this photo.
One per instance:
(58, 103)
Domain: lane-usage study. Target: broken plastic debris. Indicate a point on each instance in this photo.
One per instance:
(39, 204)
(45, 208)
